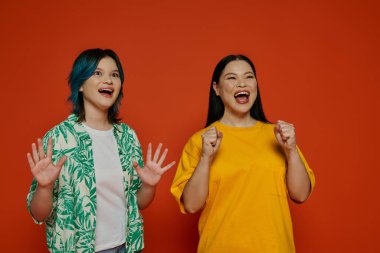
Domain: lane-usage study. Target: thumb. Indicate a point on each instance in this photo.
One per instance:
(277, 133)
(61, 161)
(218, 140)
(219, 136)
(137, 167)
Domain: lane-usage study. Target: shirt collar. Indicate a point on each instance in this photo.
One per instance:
(73, 119)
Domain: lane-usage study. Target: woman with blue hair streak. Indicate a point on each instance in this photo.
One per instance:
(89, 177)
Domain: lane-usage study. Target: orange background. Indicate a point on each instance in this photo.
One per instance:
(317, 65)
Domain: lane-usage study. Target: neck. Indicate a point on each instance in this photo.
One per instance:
(237, 120)
(97, 119)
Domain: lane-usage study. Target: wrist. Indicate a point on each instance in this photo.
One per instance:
(206, 159)
(45, 190)
(291, 152)
(148, 187)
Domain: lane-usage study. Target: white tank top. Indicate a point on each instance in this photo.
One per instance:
(110, 206)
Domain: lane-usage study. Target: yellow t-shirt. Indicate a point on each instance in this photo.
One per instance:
(247, 208)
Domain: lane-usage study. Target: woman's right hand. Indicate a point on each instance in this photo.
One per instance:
(211, 140)
(196, 189)
(41, 165)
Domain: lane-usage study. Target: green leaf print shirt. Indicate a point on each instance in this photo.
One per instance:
(71, 225)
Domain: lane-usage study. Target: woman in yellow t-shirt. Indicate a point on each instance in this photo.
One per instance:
(240, 169)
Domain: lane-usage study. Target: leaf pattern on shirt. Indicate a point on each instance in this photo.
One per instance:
(71, 225)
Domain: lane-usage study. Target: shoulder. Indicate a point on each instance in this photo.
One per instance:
(126, 136)
(267, 132)
(267, 126)
(67, 132)
(123, 129)
(62, 127)
(195, 140)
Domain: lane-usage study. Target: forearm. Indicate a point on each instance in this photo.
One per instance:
(297, 178)
(42, 203)
(196, 190)
(145, 195)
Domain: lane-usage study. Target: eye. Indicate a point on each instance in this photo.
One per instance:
(250, 77)
(97, 73)
(231, 78)
(115, 75)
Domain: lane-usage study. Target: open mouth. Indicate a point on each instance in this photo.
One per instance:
(242, 97)
(106, 91)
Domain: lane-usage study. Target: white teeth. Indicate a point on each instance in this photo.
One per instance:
(242, 93)
(106, 90)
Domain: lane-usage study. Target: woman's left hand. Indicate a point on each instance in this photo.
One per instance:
(285, 135)
(152, 172)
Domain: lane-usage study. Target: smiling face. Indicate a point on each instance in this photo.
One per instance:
(101, 90)
(237, 88)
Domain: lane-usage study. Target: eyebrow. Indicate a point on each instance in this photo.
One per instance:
(249, 72)
(115, 70)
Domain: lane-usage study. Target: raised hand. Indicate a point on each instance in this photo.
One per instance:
(152, 172)
(41, 165)
(285, 135)
(211, 140)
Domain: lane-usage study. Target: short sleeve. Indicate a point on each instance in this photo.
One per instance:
(56, 156)
(138, 157)
(308, 170)
(188, 162)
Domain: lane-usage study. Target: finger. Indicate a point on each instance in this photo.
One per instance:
(283, 135)
(35, 153)
(213, 138)
(277, 126)
(149, 152)
(61, 162)
(278, 135)
(137, 167)
(287, 132)
(49, 151)
(163, 156)
(208, 133)
(276, 131)
(218, 141)
(284, 125)
(164, 169)
(282, 122)
(211, 130)
(157, 153)
(41, 151)
(209, 139)
(220, 135)
(30, 160)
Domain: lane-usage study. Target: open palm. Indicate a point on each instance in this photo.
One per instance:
(152, 172)
(41, 165)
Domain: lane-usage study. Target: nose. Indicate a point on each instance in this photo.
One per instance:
(107, 80)
(240, 83)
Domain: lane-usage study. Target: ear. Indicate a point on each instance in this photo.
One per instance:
(215, 86)
(81, 89)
